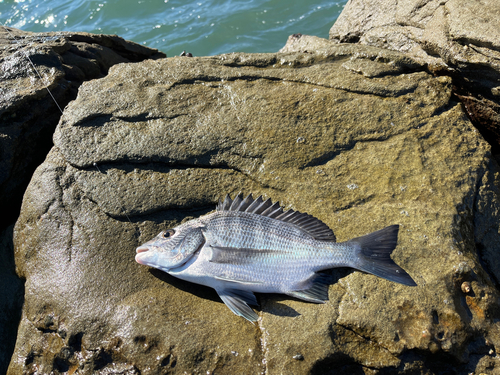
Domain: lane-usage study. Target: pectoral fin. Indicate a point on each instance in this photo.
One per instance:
(237, 300)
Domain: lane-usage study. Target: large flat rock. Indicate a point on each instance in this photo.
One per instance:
(357, 136)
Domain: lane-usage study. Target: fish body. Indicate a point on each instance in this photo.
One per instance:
(249, 246)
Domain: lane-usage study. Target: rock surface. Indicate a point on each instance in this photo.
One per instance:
(454, 37)
(357, 136)
(28, 113)
(28, 117)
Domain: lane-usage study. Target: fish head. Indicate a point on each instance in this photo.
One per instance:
(171, 248)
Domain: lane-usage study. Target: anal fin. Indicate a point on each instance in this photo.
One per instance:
(238, 300)
(316, 289)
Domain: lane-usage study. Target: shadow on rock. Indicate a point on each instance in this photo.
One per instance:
(11, 299)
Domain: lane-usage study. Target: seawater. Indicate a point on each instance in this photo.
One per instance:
(202, 27)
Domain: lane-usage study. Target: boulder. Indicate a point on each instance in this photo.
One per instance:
(31, 101)
(457, 38)
(29, 113)
(358, 136)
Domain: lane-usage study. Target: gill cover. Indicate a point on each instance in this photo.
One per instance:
(171, 248)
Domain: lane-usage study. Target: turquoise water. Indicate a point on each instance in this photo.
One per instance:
(202, 27)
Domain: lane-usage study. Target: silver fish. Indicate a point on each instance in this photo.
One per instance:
(251, 245)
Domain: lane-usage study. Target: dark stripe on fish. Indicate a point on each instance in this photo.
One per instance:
(239, 256)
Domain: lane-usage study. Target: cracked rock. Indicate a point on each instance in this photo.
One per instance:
(28, 113)
(458, 38)
(155, 143)
(28, 117)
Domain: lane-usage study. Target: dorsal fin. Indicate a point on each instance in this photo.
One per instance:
(271, 209)
(246, 202)
(262, 207)
(256, 203)
(236, 203)
(224, 206)
(306, 222)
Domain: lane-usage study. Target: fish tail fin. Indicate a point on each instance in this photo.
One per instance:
(374, 255)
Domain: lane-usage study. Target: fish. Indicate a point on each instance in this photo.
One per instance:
(252, 246)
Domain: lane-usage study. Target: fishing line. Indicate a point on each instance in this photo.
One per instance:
(13, 37)
(33, 66)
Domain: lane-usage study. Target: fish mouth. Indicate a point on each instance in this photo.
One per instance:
(141, 250)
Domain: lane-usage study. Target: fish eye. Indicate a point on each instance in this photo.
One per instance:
(168, 233)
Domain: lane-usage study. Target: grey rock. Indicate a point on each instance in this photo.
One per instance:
(358, 136)
(28, 113)
(304, 43)
(28, 117)
(457, 38)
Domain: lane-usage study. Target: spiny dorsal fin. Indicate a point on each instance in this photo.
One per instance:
(236, 202)
(255, 204)
(224, 206)
(308, 223)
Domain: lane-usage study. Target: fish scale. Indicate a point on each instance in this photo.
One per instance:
(250, 231)
(251, 245)
(253, 231)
